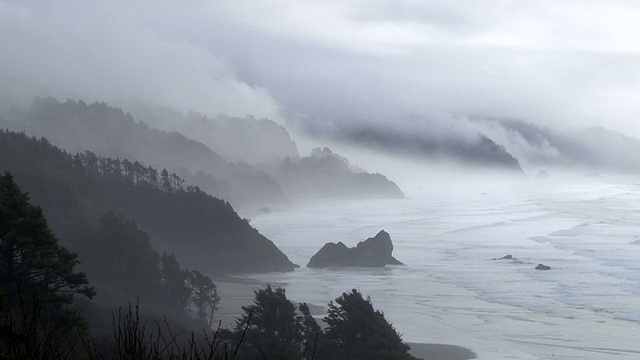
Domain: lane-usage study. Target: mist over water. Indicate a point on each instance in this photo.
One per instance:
(452, 291)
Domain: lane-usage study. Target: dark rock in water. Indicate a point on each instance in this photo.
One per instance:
(331, 254)
(506, 257)
(543, 267)
(543, 174)
(265, 210)
(373, 252)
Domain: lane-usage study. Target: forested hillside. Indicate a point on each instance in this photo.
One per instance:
(108, 131)
(480, 151)
(75, 191)
(324, 174)
(249, 140)
(276, 173)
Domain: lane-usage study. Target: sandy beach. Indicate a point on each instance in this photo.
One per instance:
(441, 352)
(238, 292)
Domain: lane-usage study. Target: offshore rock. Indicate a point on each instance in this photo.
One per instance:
(373, 252)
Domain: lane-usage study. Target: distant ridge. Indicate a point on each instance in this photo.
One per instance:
(472, 148)
(108, 131)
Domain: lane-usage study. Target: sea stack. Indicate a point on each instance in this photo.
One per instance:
(373, 252)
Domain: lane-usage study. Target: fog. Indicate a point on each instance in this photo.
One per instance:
(569, 64)
(106, 51)
(458, 85)
(500, 84)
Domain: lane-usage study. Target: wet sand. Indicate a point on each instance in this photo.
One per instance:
(440, 352)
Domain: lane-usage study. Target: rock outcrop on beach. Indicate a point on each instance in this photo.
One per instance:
(543, 267)
(373, 252)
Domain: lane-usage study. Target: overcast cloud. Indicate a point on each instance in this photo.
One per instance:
(569, 63)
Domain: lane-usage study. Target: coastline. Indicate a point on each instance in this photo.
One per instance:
(440, 352)
(238, 292)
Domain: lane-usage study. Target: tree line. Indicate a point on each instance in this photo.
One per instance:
(121, 260)
(75, 191)
(134, 173)
(275, 328)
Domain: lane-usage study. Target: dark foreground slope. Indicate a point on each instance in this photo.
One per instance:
(204, 232)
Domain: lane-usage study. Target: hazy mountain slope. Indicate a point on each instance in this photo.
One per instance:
(204, 232)
(269, 147)
(477, 150)
(324, 174)
(108, 131)
(246, 139)
(594, 148)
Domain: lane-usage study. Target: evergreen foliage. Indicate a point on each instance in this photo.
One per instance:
(272, 327)
(37, 281)
(119, 255)
(76, 191)
(101, 207)
(331, 176)
(176, 283)
(32, 263)
(204, 297)
(108, 131)
(357, 331)
(37, 276)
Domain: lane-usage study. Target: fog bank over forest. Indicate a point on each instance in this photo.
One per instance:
(422, 80)
(496, 144)
(333, 62)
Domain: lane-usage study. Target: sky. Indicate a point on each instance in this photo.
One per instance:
(556, 63)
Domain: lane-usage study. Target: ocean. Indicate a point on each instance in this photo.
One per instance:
(452, 291)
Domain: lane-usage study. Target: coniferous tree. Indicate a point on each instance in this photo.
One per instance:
(273, 330)
(76, 189)
(33, 267)
(357, 331)
(313, 337)
(204, 297)
(175, 283)
(120, 256)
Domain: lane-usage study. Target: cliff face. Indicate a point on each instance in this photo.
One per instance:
(373, 252)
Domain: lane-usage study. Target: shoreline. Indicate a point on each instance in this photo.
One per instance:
(440, 352)
(238, 292)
